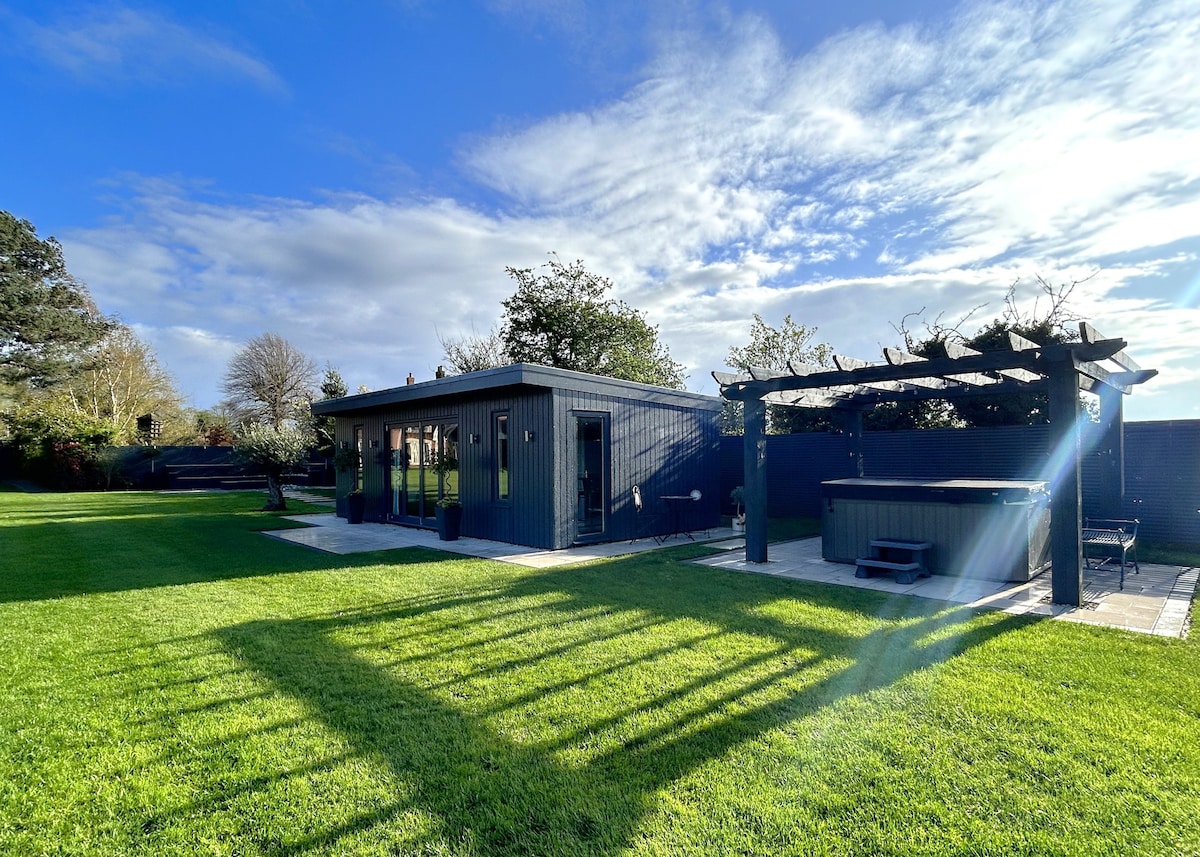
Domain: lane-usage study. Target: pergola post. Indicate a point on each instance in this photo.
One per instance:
(754, 457)
(1110, 448)
(852, 425)
(1066, 545)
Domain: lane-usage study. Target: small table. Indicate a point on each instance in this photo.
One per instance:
(906, 558)
(675, 504)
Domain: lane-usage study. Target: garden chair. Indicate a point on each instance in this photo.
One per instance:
(645, 521)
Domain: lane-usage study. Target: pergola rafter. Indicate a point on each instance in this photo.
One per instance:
(854, 386)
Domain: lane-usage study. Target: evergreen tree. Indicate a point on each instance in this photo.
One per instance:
(47, 318)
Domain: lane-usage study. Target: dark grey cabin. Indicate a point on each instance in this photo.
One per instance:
(537, 456)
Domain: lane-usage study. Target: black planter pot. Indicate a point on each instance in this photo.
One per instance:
(356, 505)
(449, 522)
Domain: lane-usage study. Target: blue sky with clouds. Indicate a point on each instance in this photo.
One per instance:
(357, 177)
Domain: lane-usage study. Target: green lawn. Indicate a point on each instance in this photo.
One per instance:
(174, 682)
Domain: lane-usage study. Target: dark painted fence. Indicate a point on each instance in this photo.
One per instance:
(1162, 467)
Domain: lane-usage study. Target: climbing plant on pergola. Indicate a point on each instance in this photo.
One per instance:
(1094, 364)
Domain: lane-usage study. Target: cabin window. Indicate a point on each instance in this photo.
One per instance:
(501, 468)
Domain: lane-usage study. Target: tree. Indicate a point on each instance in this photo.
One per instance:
(324, 428)
(1046, 323)
(269, 387)
(270, 382)
(212, 428)
(474, 353)
(124, 381)
(774, 349)
(561, 318)
(276, 450)
(58, 445)
(47, 318)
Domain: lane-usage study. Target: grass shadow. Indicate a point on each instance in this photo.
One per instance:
(117, 543)
(589, 772)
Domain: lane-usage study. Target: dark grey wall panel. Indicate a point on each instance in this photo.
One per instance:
(1162, 467)
(666, 450)
(1162, 478)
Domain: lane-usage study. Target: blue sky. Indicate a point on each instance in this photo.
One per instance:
(356, 177)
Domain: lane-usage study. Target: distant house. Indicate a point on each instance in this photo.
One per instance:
(537, 456)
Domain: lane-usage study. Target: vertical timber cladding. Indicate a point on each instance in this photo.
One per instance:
(1162, 479)
(524, 518)
(666, 449)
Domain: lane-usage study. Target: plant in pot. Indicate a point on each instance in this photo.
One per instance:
(738, 496)
(346, 458)
(356, 506)
(449, 518)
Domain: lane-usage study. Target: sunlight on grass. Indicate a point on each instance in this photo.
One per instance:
(178, 684)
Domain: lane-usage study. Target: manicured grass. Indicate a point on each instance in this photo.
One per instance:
(174, 682)
(1168, 553)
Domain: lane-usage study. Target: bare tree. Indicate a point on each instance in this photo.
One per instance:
(473, 353)
(125, 381)
(269, 386)
(270, 382)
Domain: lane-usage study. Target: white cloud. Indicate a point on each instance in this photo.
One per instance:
(364, 284)
(120, 43)
(885, 172)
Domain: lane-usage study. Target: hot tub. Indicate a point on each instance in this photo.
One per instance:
(979, 528)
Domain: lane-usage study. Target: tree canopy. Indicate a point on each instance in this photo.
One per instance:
(270, 382)
(473, 353)
(47, 318)
(774, 348)
(1046, 323)
(332, 387)
(123, 381)
(561, 316)
(275, 449)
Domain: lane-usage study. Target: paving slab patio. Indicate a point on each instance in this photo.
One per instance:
(334, 535)
(1154, 601)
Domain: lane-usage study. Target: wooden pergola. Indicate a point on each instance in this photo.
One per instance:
(1094, 364)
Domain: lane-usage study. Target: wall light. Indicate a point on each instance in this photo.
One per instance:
(473, 438)
(529, 436)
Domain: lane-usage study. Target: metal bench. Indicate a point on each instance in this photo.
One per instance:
(906, 558)
(1106, 536)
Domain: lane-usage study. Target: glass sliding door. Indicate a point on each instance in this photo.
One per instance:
(398, 460)
(423, 468)
(591, 471)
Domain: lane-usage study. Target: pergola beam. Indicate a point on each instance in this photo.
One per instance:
(920, 372)
(1090, 335)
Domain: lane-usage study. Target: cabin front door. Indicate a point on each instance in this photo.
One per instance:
(591, 477)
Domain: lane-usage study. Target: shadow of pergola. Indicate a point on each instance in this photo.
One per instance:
(627, 681)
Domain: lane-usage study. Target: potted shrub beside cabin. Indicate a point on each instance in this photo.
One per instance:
(449, 519)
(738, 496)
(347, 458)
(356, 507)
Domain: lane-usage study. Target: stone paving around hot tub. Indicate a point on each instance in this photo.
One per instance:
(1154, 601)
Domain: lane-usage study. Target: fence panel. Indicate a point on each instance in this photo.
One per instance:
(1162, 467)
